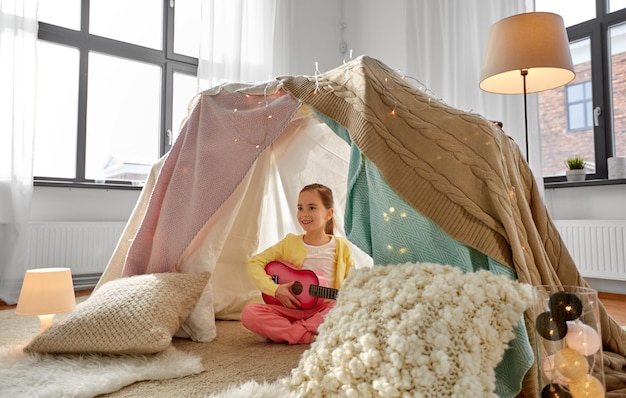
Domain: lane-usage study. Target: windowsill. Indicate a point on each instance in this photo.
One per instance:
(87, 185)
(586, 183)
(128, 186)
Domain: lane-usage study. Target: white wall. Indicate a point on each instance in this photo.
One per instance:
(316, 35)
(373, 28)
(82, 204)
(606, 202)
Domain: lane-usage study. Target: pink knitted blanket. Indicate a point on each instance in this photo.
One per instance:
(218, 144)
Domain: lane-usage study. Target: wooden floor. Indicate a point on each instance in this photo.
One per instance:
(615, 305)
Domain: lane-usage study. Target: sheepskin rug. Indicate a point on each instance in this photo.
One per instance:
(85, 376)
(411, 330)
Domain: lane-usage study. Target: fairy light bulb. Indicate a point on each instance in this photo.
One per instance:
(586, 387)
(570, 363)
(553, 375)
(583, 338)
(566, 305)
(549, 327)
(554, 391)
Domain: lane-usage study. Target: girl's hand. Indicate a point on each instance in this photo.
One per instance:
(286, 298)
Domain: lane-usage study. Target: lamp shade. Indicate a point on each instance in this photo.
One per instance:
(535, 42)
(46, 291)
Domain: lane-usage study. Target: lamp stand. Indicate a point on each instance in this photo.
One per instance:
(524, 72)
(45, 321)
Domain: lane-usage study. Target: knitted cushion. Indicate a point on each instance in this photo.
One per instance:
(134, 315)
(420, 329)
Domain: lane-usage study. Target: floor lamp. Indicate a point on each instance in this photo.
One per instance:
(527, 53)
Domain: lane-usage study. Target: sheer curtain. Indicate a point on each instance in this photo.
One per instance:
(454, 35)
(18, 38)
(243, 41)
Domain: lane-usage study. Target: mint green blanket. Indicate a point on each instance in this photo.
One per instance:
(383, 225)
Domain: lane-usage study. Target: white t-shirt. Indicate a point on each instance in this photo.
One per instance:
(321, 260)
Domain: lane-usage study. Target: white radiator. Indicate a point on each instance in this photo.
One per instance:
(85, 247)
(597, 246)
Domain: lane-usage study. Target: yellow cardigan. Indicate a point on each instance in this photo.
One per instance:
(291, 249)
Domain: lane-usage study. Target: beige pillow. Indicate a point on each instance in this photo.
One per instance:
(420, 329)
(134, 315)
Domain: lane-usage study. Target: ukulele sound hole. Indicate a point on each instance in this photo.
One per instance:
(296, 288)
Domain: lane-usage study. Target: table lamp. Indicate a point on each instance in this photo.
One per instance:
(527, 53)
(45, 293)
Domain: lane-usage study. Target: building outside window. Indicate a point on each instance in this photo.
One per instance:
(579, 107)
(587, 117)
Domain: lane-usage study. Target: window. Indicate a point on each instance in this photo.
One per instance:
(114, 81)
(579, 106)
(587, 117)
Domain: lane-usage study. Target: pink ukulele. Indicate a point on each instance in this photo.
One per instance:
(306, 288)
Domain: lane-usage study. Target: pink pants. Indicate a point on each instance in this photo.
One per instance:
(285, 325)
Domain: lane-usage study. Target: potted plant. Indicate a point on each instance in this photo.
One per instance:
(575, 169)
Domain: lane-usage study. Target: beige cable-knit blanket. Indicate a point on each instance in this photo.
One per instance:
(461, 171)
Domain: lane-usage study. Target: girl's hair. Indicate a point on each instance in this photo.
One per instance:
(326, 194)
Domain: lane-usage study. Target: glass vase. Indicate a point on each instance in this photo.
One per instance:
(568, 342)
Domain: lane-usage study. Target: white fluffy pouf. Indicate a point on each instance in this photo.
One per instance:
(416, 329)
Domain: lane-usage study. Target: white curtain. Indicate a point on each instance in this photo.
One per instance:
(446, 41)
(18, 38)
(243, 41)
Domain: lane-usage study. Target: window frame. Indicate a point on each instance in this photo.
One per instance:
(597, 31)
(84, 42)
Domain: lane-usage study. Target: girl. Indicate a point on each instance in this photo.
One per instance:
(317, 250)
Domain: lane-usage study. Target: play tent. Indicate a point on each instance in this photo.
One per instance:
(414, 180)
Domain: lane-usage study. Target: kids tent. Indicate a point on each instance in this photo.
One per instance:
(414, 180)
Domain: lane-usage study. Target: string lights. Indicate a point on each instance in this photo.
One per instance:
(251, 103)
(417, 85)
(394, 216)
(565, 332)
(415, 97)
(399, 106)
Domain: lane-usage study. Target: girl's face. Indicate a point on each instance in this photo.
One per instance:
(312, 215)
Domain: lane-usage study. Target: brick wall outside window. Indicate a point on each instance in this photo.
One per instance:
(557, 142)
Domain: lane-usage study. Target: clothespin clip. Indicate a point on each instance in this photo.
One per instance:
(317, 82)
(347, 72)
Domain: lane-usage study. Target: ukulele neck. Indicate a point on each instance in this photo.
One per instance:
(323, 292)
